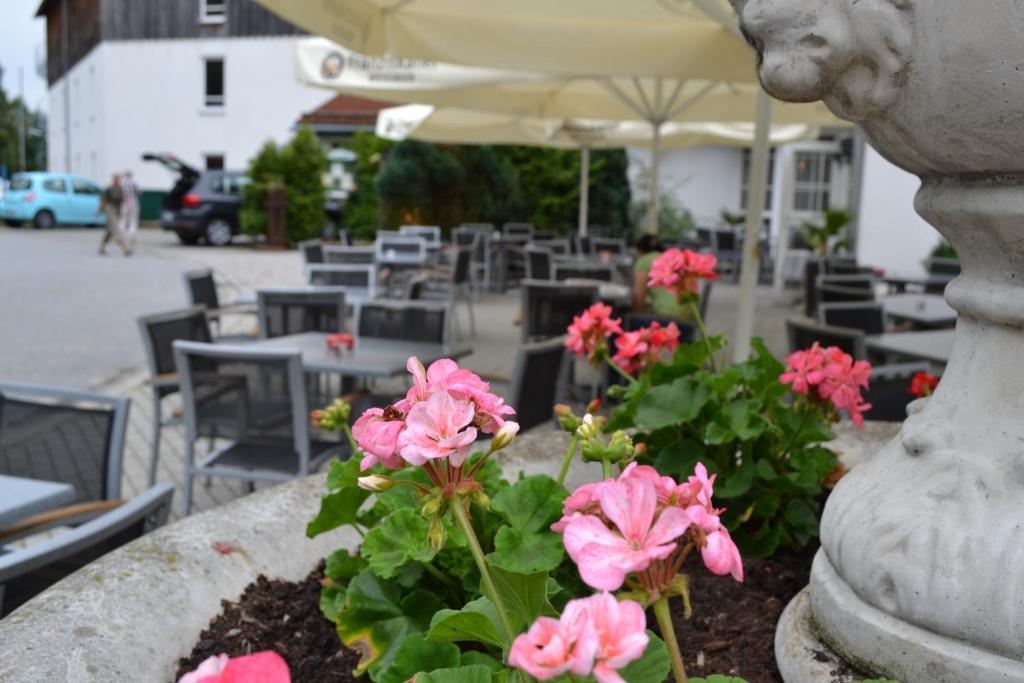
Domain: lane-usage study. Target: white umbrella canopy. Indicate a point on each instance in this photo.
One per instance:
(667, 38)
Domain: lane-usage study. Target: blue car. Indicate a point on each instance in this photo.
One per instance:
(50, 199)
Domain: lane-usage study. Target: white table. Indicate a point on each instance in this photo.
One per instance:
(924, 310)
(931, 345)
(21, 497)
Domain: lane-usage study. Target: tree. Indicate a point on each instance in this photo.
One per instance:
(35, 134)
(419, 184)
(362, 208)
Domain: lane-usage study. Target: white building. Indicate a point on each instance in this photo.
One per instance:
(206, 80)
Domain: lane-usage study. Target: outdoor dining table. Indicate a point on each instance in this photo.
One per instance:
(934, 346)
(925, 311)
(369, 357)
(20, 497)
(930, 283)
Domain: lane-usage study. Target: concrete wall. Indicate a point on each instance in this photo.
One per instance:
(891, 234)
(130, 97)
(703, 180)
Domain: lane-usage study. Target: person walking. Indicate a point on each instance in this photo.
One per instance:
(110, 201)
(129, 210)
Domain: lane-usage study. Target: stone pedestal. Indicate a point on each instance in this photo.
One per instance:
(921, 573)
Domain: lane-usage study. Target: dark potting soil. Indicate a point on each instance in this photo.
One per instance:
(732, 630)
(284, 617)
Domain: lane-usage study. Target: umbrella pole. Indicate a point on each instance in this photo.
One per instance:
(652, 216)
(584, 188)
(749, 271)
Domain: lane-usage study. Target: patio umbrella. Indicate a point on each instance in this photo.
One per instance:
(453, 125)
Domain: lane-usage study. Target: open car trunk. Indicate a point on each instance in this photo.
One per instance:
(187, 177)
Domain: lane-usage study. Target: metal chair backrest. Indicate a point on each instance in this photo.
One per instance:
(288, 310)
(555, 246)
(615, 245)
(201, 289)
(312, 251)
(704, 237)
(943, 266)
(860, 281)
(549, 307)
(537, 375)
(63, 435)
(582, 271)
(888, 391)
(867, 317)
(523, 231)
(424, 322)
(245, 394)
(347, 256)
(803, 334)
(829, 294)
(598, 230)
(400, 249)
(538, 263)
(542, 235)
(430, 233)
(724, 240)
(478, 239)
(705, 298)
(360, 282)
(26, 572)
(159, 332)
(462, 273)
(582, 245)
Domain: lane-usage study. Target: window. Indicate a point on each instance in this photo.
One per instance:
(746, 180)
(212, 11)
(232, 184)
(214, 83)
(214, 162)
(55, 185)
(79, 186)
(20, 183)
(813, 181)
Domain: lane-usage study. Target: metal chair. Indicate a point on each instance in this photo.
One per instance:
(289, 310)
(430, 233)
(400, 250)
(538, 263)
(582, 245)
(538, 374)
(888, 391)
(159, 332)
(860, 281)
(479, 240)
(347, 256)
(705, 298)
(943, 266)
(312, 251)
(582, 271)
(867, 317)
(555, 246)
(549, 307)
(202, 291)
(461, 286)
(257, 400)
(830, 294)
(615, 245)
(727, 249)
(425, 322)
(359, 281)
(63, 435)
(543, 235)
(26, 572)
(802, 334)
(518, 231)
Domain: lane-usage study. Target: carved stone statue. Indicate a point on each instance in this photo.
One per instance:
(921, 573)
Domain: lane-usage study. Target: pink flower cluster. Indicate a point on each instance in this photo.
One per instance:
(589, 331)
(634, 524)
(262, 667)
(441, 416)
(597, 635)
(830, 374)
(678, 270)
(638, 350)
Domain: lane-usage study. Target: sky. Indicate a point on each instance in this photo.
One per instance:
(22, 40)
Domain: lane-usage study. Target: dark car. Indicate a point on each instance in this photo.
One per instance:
(205, 205)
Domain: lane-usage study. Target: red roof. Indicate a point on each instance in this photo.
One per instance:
(345, 110)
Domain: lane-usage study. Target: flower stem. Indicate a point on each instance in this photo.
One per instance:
(351, 439)
(703, 333)
(461, 514)
(606, 468)
(437, 574)
(668, 634)
(567, 460)
(617, 368)
(796, 435)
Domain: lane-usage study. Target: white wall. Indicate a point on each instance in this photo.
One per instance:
(147, 96)
(891, 235)
(703, 180)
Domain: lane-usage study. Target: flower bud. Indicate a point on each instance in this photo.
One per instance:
(590, 427)
(435, 534)
(376, 483)
(594, 406)
(567, 420)
(504, 436)
(333, 417)
(621, 445)
(480, 498)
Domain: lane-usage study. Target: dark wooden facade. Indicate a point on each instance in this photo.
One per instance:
(92, 21)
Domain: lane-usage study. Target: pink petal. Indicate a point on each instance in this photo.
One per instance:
(671, 524)
(262, 667)
(630, 505)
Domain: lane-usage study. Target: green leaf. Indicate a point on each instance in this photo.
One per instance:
(718, 678)
(532, 504)
(763, 542)
(525, 595)
(802, 519)
(474, 658)
(765, 470)
(416, 654)
(716, 433)
(475, 673)
(670, 404)
(342, 565)
(343, 474)
(737, 483)
(744, 418)
(337, 509)
(478, 621)
(401, 537)
(525, 553)
(653, 667)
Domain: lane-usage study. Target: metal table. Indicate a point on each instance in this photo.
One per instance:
(924, 310)
(20, 497)
(933, 283)
(368, 358)
(935, 346)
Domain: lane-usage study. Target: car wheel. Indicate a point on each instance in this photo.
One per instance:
(218, 232)
(14, 224)
(44, 220)
(188, 239)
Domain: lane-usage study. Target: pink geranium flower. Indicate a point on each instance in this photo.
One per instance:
(621, 630)
(637, 537)
(721, 556)
(440, 427)
(804, 369)
(640, 349)
(376, 431)
(679, 270)
(262, 667)
(446, 375)
(830, 374)
(553, 647)
(589, 331)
